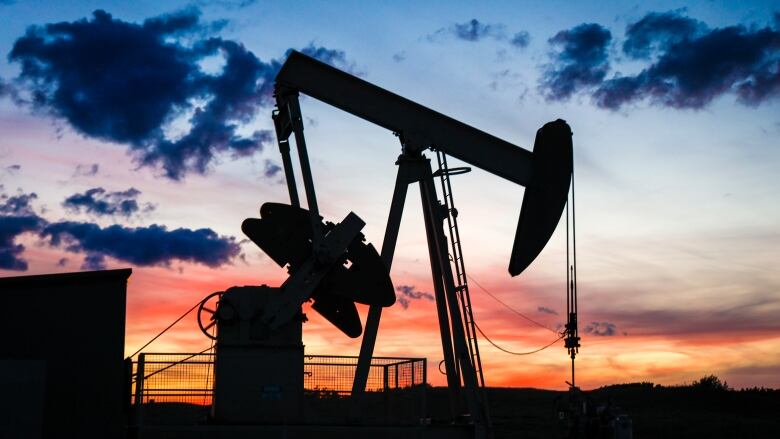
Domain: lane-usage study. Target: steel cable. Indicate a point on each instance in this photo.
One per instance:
(516, 353)
(166, 329)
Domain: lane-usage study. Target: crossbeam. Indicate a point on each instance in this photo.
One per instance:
(417, 125)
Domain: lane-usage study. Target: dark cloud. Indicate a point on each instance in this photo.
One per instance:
(692, 64)
(97, 201)
(271, 169)
(62, 262)
(399, 57)
(408, 293)
(605, 329)
(520, 39)
(579, 62)
(10, 228)
(16, 217)
(658, 31)
(17, 205)
(689, 64)
(142, 246)
(126, 82)
(545, 310)
(86, 170)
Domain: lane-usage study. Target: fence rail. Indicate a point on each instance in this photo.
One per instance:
(189, 378)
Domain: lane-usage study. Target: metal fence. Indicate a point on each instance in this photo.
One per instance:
(189, 378)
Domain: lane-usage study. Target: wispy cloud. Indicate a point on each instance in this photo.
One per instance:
(99, 202)
(86, 170)
(604, 329)
(406, 293)
(475, 30)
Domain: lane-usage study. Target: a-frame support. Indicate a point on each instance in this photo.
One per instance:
(413, 167)
(416, 168)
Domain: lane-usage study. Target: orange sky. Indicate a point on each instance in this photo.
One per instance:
(744, 357)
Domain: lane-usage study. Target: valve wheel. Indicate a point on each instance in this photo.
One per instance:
(207, 313)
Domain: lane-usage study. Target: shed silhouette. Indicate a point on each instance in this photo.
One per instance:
(62, 367)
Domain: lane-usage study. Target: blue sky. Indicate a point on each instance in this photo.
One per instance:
(677, 203)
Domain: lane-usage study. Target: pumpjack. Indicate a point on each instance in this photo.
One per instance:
(331, 265)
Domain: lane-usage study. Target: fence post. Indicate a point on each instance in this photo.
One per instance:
(127, 394)
(424, 388)
(139, 390)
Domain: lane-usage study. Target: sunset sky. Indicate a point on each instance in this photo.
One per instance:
(138, 134)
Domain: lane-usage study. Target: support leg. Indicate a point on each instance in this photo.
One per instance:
(453, 380)
(308, 181)
(439, 245)
(289, 174)
(388, 249)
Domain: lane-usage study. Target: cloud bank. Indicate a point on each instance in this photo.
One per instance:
(154, 245)
(130, 83)
(687, 64)
(141, 246)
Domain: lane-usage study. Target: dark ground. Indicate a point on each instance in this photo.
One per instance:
(695, 411)
(655, 411)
